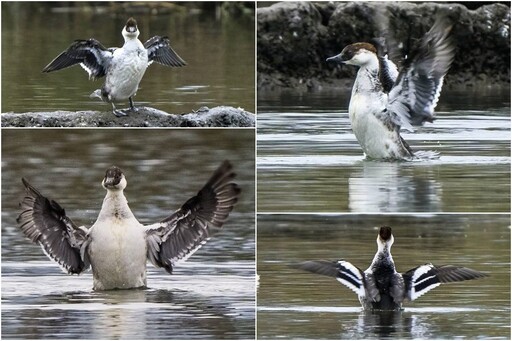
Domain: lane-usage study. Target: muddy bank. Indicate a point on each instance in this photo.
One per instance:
(222, 116)
(295, 38)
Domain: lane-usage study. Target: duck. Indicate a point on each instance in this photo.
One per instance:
(381, 287)
(384, 101)
(123, 68)
(117, 246)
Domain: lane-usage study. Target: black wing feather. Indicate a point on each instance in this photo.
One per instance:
(45, 222)
(180, 235)
(93, 56)
(424, 278)
(418, 86)
(160, 51)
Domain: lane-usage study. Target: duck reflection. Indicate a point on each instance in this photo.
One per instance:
(387, 324)
(393, 187)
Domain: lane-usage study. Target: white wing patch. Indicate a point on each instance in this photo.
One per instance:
(423, 280)
(351, 277)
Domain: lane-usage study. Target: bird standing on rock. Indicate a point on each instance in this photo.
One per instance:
(123, 67)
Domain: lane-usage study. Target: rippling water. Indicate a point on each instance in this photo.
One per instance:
(211, 296)
(309, 159)
(298, 305)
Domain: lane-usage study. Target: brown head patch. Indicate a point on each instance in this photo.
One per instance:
(385, 233)
(131, 22)
(366, 46)
(351, 50)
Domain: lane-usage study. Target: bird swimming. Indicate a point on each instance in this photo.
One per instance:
(381, 287)
(384, 101)
(123, 67)
(117, 246)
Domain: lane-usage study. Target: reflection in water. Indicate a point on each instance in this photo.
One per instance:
(383, 187)
(384, 325)
(310, 161)
(390, 325)
(125, 314)
(395, 325)
(354, 323)
(191, 306)
(114, 320)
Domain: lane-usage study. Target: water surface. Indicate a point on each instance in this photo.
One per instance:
(310, 161)
(211, 296)
(293, 304)
(218, 49)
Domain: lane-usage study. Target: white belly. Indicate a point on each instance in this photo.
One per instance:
(118, 254)
(376, 139)
(125, 74)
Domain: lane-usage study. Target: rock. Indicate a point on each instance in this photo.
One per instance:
(222, 116)
(295, 38)
(219, 117)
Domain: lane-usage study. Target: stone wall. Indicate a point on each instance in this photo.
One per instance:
(295, 38)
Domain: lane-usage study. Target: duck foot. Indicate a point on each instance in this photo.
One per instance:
(120, 112)
(124, 112)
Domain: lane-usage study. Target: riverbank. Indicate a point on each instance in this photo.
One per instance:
(295, 38)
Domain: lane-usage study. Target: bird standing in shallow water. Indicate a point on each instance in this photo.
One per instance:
(383, 101)
(117, 246)
(381, 287)
(123, 67)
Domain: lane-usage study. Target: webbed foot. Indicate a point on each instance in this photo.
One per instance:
(121, 112)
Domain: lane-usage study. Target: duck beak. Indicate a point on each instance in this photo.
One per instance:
(109, 182)
(337, 58)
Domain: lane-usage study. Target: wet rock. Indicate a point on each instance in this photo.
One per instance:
(295, 38)
(222, 116)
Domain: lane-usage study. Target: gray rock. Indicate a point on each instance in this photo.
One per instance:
(222, 116)
(295, 38)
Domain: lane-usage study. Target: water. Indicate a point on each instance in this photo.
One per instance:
(310, 161)
(211, 296)
(293, 304)
(219, 51)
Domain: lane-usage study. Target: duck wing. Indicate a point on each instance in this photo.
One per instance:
(186, 230)
(388, 71)
(424, 278)
(90, 54)
(345, 272)
(418, 86)
(160, 51)
(45, 222)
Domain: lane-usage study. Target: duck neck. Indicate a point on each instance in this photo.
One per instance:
(116, 206)
(383, 256)
(368, 77)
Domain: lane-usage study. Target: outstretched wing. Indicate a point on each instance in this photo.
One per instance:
(344, 272)
(418, 86)
(160, 51)
(90, 54)
(186, 230)
(424, 278)
(45, 222)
